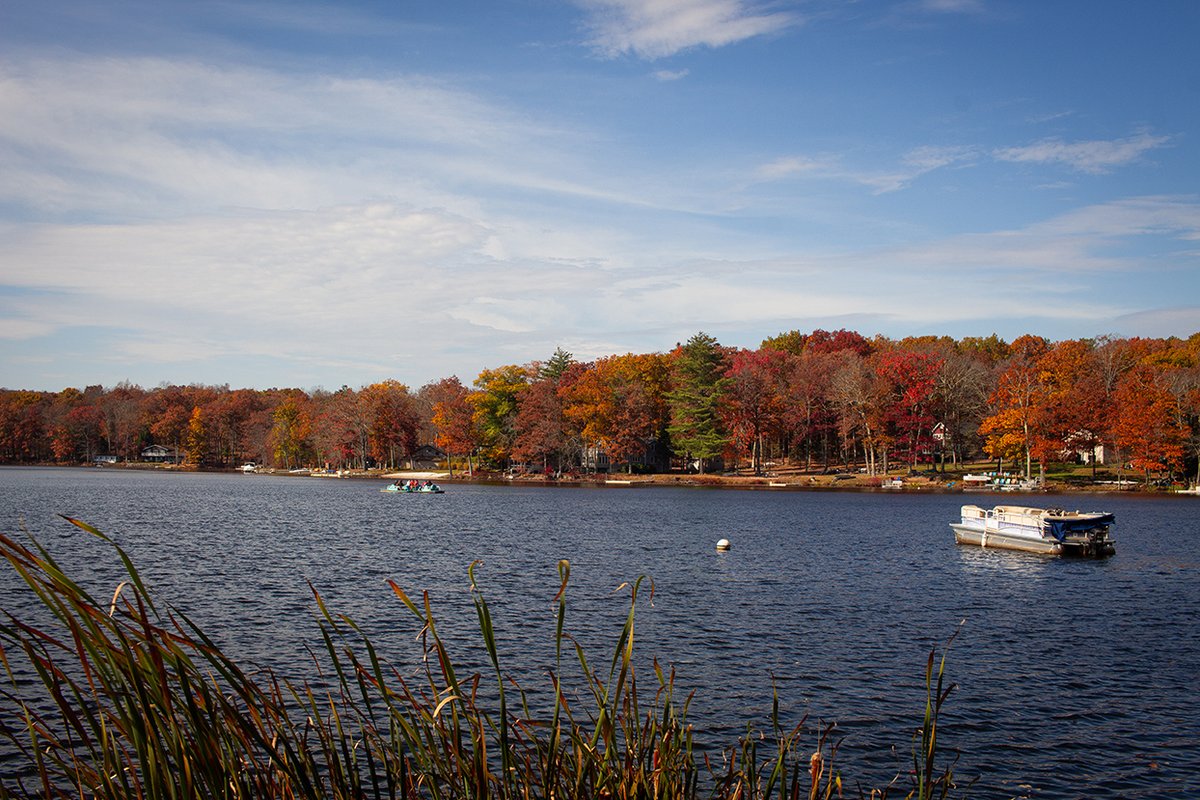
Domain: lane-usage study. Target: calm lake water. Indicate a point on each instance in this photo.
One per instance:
(1075, 678)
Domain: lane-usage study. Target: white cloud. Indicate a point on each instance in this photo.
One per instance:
(791, 166)
(275, 270)
(914, 164)
(1094, 239)
(654, 29)
(931, 157)
(1094, 157)
(383, 290)
(123, 136)
(666, 75)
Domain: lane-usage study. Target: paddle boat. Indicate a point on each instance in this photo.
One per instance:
(413, 487)
(1051, 531)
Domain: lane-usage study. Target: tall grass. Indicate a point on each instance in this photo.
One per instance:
(124, 699)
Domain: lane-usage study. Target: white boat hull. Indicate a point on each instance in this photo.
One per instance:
(1001, 541)
(1036, 530)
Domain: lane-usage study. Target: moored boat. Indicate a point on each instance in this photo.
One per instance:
(1051, 531)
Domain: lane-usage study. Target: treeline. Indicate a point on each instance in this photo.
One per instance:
(819, 400)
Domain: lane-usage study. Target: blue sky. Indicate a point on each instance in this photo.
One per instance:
(312, 195)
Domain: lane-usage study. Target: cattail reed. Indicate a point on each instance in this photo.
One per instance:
(125, 699)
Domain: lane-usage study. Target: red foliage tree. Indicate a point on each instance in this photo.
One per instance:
(753, 402)
(392, 432)
(540, 427)
(1148, 424)
(908, 383)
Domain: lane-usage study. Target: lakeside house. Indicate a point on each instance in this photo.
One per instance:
(160, 454)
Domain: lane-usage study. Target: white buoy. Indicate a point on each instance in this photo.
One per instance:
(723, 544)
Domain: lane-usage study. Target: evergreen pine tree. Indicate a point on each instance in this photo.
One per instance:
(699, 381)
(559, 363)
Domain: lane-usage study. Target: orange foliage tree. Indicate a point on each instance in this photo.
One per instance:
(1073, 415)
(1009, 432)
(1148, 424)
(618, 405)
(454, 420)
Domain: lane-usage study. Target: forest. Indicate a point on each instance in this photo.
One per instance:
(824, 400)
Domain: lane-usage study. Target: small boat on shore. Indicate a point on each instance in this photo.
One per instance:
(1050, 531)
(413, 487)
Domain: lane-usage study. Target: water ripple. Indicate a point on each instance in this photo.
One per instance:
(1074, 679)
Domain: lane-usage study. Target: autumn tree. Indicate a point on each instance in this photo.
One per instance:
(342, 429)
(820, 342)
(753, 401)
(454, 420)
(22, 425)
(1009, 432)
(539, 429)
(291, 430)
(788, 342)
(83, 424)
(1073, 413)
(495, 404)
(807, 415)
(698, 379)
(233, 414)
(990, 351)
(195, 440)
(392, 431)
(1183, 381)
(908, 383)
(65, 418)
(618, 405)
(839, 341)
(171, 425)
(638, 383)
(1147, 424)
(854, 390)
(961, 390)
(121, 406)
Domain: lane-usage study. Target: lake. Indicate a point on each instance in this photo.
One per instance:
(1075, 678)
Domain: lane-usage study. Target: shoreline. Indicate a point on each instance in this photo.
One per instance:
(797, 481)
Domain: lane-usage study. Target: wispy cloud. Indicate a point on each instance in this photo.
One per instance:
(91, 138)
(950, 6)
(913, 164)
(1049, 116)
(930, 157)
(671, 74)
(1094, 157)
(654, 29)
(291, 286)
